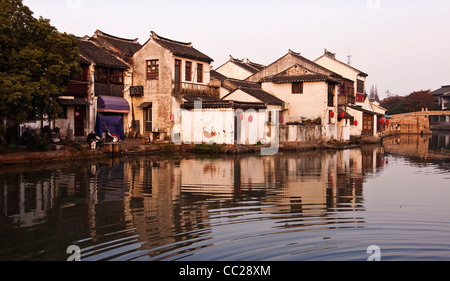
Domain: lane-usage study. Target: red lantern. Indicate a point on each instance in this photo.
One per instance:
(332, 114)
(356, 123)
(172, 117)
(250, 118)
(241, 116)
(342, 114)
(382, 121)
(387, 122)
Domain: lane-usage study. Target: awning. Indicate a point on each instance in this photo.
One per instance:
(112, 104)
(72, 101)
(145, 105)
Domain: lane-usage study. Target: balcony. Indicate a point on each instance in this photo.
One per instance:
(195, 89)
(77, 88)
(103, 89)
(344, 100)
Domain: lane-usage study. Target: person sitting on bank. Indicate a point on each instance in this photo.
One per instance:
(92, 139)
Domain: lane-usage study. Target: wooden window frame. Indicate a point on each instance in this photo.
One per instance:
(331, 94)
(188, 71)
(152, 69)
(297, 88)
(108, 75)
(360, 86)
(199, 73)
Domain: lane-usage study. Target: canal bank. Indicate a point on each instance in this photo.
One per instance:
(140, 147)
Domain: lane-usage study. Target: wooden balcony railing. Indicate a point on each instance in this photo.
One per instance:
(344, 100)
(195, 89)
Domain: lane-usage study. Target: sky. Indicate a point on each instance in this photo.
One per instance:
(403, 45)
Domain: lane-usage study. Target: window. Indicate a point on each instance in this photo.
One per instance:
(108, 75)
(63, 113)
(360, 87)
(188, 71)
(200, 73)
(331, 88)
(152, 69)
(297, 88)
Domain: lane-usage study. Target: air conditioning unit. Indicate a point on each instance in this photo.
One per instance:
(285, 105)
(137, 91)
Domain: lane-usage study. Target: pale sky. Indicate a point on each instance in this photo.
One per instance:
(402, 44)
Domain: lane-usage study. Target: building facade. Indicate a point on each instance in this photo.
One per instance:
(165, 72)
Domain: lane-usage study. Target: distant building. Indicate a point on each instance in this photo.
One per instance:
(352, 98)
(442, 97)
(239, 69)
(307, 95)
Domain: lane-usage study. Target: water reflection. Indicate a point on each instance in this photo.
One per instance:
(422, 149)
(190, 207)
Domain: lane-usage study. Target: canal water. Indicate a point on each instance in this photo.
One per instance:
(389, 202)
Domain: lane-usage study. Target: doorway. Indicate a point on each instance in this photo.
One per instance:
(80, 118)
(367, 124)
(148, 119)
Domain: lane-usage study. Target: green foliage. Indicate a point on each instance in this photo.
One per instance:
(208, 148)
(36, 63)
(37, 143)
(411, 103)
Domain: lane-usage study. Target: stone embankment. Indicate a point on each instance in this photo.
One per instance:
(138, 147)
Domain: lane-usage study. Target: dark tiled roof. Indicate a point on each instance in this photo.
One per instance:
(307, 63)
(126, 46)
(247, 65)
(91, 53)
(216, 75)
(200, 98)
(185, 50)
(236, 83)
(262, 95)
(359, 108)
(346, 114)
(444, 90)
(279, 79)
(226, 104)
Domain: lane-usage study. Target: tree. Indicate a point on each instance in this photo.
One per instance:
(36, 63)
(413, 102)
(373, 95)
(393, 104)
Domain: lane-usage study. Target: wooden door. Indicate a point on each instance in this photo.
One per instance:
(80, 118)
(148, 119)
(367, 124)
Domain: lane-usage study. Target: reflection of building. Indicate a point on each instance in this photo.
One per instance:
(165, 204)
